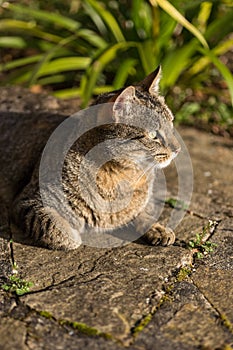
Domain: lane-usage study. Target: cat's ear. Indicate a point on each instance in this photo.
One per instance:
(123, 102)
(151, 82)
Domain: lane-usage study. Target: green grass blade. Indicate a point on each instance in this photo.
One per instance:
(220, 27)
(47, 57)
(18, 76)
(175, 62)
(42, 15)
(92, 38)
(123, 71)
(174, 13)
(13, 42)
(67, 93)
(76, 92)
(17, 63)
(108, 19)
(147, 65)
(166, 35)
(89, 80)
(203, 15)
(200, 65)
(222, 69)
(100, 26)
(59, 65)
(102, 89)
(65, 64)
(53, 79)
(142, 18)
(30, 28)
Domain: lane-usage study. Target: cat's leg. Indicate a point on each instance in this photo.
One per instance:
(159, 235)
(43, 226)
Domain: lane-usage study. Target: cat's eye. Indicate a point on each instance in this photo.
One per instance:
(152, 134)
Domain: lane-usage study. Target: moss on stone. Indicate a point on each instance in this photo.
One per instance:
(46, 314)
(142, 324)
(183, 273)
(227, 323)
(227, 347)
(85, 329)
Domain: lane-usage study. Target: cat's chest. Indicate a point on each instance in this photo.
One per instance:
(108, 196)
(127, 181)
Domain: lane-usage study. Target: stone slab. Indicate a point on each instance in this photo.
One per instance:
(186, 322)
(107, 289)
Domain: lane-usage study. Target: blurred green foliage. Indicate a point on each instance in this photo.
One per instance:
(82, 48)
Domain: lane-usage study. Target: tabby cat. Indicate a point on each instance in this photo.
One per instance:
(143, 126)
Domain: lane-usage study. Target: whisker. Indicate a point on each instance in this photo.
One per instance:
(147, 170)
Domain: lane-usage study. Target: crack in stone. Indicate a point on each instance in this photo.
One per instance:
(50, 287)
(192, 213)
(223, 318)
(140, 324)
(60, 284)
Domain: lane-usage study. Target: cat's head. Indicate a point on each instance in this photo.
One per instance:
(147, 120)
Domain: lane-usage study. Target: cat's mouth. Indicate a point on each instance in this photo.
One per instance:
(163, 159)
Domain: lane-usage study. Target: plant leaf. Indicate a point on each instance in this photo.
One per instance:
(92, 38)
(174, 13)
(20, 62)
(56, 66)
(13, 42)
(53, 79)
(47, 57)
(65, 64)
(42, 15)
(203, 15)
(123, 72)
(176, 61)
(28, 27)
(89, 80)
(67, 93)
(222, 69)
(108, 19)
(220, 49)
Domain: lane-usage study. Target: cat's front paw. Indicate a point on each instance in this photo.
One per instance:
(160, 235)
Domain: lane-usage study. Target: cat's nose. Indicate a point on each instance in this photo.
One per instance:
(175, 147)
(175, 151)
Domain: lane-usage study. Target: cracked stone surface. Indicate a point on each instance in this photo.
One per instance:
(137, 296)
(186, 321)
(115, 289)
